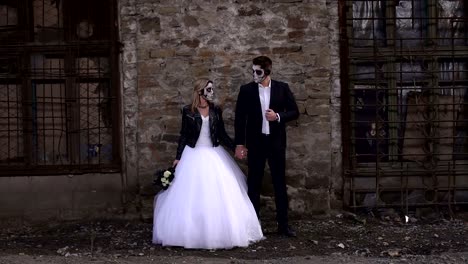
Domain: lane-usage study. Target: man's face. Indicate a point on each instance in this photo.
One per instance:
(258, 73)
(208, 92)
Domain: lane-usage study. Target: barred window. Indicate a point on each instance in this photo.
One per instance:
(58, 87)
(405, 100)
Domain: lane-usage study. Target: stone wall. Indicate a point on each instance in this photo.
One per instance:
(167, 44)
(68, 197)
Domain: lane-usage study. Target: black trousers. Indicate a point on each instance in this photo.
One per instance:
(257, 157)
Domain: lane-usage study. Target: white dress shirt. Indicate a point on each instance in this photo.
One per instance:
(265, 92)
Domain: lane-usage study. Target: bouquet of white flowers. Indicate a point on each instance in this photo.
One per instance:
(164, 178)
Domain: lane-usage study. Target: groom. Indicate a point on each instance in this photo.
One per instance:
(262, 110)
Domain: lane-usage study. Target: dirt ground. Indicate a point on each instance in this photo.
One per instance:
(342, 237)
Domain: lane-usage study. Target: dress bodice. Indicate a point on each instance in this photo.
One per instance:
(204, 140)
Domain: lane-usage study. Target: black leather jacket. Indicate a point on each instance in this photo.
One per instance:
(191, 126)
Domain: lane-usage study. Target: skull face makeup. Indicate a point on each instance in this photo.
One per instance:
(208, 92)
(258, 74)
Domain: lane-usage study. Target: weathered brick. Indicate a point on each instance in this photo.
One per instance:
(283, 50)
(150, 24)
(296, 34)
(161, 53)
(250, 11)
(297, 23)
(192, 43)
(191, 21)
(168, 10)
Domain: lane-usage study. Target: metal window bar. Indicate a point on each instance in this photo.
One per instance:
(58, 88)
(406, 80)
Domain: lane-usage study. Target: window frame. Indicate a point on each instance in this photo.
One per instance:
(388, 57)
(71, 48)
(390, 174)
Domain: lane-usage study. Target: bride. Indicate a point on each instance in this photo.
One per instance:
(207, 205)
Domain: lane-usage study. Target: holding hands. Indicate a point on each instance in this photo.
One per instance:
(241, 152)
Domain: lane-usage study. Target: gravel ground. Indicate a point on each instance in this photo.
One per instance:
(342, 237)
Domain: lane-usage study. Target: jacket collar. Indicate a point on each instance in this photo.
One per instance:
(198, 115)
(273, 93)
(211, 114)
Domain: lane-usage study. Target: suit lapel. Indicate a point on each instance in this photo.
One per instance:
(274, 93)
(256, 94)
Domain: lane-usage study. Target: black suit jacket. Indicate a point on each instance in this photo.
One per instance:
(248, 120)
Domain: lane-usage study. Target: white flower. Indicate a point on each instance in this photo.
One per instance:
(167, 174)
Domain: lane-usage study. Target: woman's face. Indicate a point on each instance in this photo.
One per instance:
(208, 93)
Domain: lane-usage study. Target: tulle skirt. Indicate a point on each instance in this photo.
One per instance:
(207, 205)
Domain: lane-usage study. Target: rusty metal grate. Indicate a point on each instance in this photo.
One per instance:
(405, 102)
(58, 87)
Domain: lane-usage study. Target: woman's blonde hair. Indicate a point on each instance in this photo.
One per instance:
(199, 85)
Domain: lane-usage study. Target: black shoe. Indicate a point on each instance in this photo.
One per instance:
(286, 231)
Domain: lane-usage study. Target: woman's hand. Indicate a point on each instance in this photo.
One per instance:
(174, 164)
(240, 152)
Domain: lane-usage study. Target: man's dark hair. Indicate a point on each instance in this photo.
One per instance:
(264, 62)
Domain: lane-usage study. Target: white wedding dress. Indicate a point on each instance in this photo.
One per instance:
(207, 205)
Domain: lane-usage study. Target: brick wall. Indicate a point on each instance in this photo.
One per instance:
(168, 44)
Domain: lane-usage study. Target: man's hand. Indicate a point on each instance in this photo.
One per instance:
(241, 152)
(271, 115)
